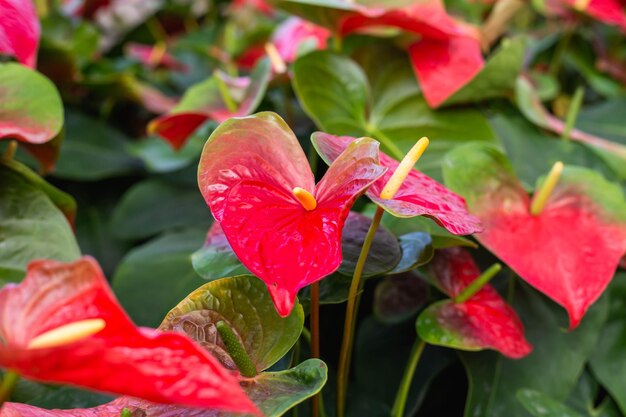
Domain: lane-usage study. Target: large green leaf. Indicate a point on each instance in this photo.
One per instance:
(553, 367)
(93, 150)
(533, 152)
(497, 78)
(605, 119)
(382, 100)
(541, 405)
(277, 392)
(245, 305)
(608, 361)
(154, 277)
(30, 106)
(31, 227)
(153, 206)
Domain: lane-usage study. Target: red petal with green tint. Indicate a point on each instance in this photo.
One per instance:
(121, 358)
(247, 172)
(19, 30)
(444, 66)
(483, 321)
(610, 12)
(419, 194)
(204, 101)
(570, 251)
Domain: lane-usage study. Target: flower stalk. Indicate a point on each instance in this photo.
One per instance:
(403, 391)
(478, 283)
(8, 385)
(541, 196)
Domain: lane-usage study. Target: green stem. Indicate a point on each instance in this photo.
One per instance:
(236, 350)
(156, 29)
(557, 58)
(478, 283)
(225, 93)
(572, 112)
(8, 385)
(387, 142)
(351, 309)
(403, 391)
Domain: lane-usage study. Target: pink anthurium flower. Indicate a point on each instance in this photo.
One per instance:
(153, 56)
(62, 324)
(419, 195)
(285, 229)
(294, 33)
(218, 98)
(19, 30)
(447, 55)
(610, 12)
(485, 320)
(568, 246)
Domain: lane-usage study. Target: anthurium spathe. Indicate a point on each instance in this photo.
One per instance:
(484, 320)
(62, 324)
(295, 33)
(19, 30)
(218, 98)
(286, 230)
(446, 56)
(610, 12)
(570, 249)
(419, 195)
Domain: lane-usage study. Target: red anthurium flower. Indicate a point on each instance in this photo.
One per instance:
(260, 5)
(62, 324)
(285, 229)
(218, 98)
(19, 30)
(570, 249)
(153, 56)
(483, 321)
(419, 195)
(293, 33)
(610, 12)
(447, 56)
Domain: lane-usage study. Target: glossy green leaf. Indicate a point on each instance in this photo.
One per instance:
(92, 150)
(495, 380)
(277, 392)
(153, 206)
(605, 119)
(541, 405)
(384, 255)
(399, 297)
(585, 398)
(416, 250)
(244, 303)
(31, 226)
(533, 152)
(155, 276)
(30, 106)
(216, 259)
(381, 100)
(497, 78)
(608, 361)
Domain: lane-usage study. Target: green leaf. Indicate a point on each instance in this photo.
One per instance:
(386, 104)
(244, 303)
(384, 255)
(155, 276)
(416, 250)
(30, 106)
(541, 405)
(154, 206)
(533, 152)
(605, 119)
(277, 392)
(216, 259)
(31, 227)
(92, 151)
(495, 380)
(399, 297)
(608, 361)
(68, 397)
(497, 78)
